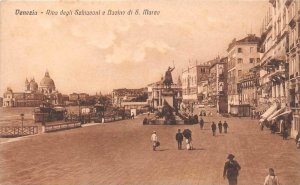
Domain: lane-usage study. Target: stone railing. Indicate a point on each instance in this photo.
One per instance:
(17, 131)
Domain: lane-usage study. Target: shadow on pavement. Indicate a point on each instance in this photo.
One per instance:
(161, 150)
(198, 149)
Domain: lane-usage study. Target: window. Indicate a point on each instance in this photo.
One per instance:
(258, 60)
(298, 30)
(251, 60)
(292, 39)
(279, 24)
(293, 9)
(275, 29)
(240, 60)
(284, 18)
(239, 72)
(251, 49)
(240, 50)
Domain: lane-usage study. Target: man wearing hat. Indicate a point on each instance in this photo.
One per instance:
(179, 139)
(154, 140)
(231, 170)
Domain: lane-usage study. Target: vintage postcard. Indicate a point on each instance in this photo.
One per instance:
(139, 92)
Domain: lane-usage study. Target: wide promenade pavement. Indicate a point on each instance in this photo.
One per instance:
(121, 153)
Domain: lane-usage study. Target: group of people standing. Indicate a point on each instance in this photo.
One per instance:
(274, 128)
(188, 139)
(220, 127)
(187, 134)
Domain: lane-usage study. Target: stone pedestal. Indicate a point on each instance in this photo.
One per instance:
(168, 96)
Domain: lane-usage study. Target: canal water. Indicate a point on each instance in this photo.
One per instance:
(11, 116)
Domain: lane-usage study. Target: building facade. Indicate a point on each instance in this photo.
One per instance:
(274, 48)
(279, 69)
(156, 94)
(293, 57)
(247, 88)
(217, 84)
(242, 56)
(193, 80)
(127, 95)
(32, 95)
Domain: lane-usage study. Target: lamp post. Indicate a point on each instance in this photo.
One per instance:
(22, 119)
(79, 114)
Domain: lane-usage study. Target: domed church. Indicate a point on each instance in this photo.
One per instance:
(33, 94)
(31, 86)
(47, 85)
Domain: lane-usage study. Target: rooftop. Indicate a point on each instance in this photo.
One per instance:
(250, 39)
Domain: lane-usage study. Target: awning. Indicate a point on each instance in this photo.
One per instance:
(275, 114)
(262, 107)
(282, 114)
(270, 111)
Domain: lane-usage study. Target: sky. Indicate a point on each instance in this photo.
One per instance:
(100, 53)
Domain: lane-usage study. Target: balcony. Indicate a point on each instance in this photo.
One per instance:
(278, 37)
(292, 47)
(273, 2)
(292, 76)
(292, 21)
(288, 2)
(298, 42)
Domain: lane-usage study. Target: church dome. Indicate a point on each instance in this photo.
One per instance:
(33, 85)
(9, 90)
(47, 81)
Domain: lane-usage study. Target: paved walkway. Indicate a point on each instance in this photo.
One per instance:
(121, 153)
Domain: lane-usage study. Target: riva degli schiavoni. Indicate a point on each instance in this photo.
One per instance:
(150, 93)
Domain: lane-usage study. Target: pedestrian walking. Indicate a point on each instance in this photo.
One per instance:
(273, 127)
(201, 123)
(187, 133)
(271, 179)
(285, 133)
(189, 143)
(145, 121)
(298, 143)
(220, 127)
(253, 114)
(225, 125)
(231, 170)
(261, 124)
(179, 139)
(189, 119)
(196, 119)
(154, 140)
(132, 116)
(213, 128)
(297, 137)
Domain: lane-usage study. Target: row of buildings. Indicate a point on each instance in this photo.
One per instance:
(35, 94)
(258, 72)
(206, 82)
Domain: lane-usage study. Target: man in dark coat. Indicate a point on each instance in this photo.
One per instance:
(201, 123)
(196, 119)
(225, 125)
(179, 139)
(285, 133)
(220, 127)
(231, 170)
(213, 128)
(145, 121)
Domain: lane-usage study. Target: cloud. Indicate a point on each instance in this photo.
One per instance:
(135, 52)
